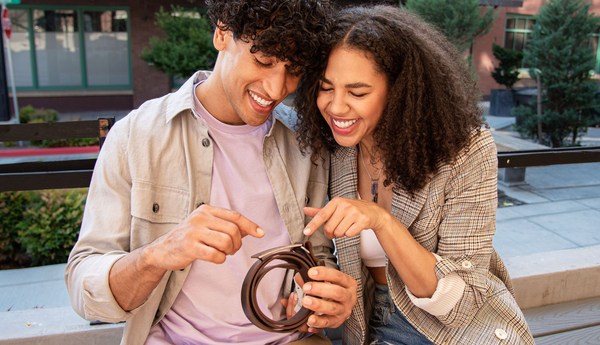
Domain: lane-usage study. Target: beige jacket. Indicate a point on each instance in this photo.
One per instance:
(454, 216)
(152, 172)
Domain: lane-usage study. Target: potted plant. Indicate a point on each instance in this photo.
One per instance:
(507, 74)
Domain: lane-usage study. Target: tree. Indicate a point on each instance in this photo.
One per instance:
(187, 46)
(507, 73)
(560, 52)
(459, 20)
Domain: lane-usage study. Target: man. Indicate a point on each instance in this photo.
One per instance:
(189, 186)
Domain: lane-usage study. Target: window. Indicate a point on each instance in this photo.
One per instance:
(517, 32)
(70, 48)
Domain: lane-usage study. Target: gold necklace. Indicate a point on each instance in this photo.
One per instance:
(374, 182)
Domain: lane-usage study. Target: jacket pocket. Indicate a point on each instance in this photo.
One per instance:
(158, 204)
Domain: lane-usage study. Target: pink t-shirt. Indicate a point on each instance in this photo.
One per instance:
(208, 309)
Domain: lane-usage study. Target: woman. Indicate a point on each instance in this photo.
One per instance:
(397, 107)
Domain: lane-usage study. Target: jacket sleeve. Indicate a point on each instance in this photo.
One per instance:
(468, 224)
(104, 233)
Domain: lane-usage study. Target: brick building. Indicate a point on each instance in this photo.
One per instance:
(78, 56)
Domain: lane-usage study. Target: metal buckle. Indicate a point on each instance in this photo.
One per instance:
(268, 252)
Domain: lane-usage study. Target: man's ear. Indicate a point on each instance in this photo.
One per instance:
(221, 37)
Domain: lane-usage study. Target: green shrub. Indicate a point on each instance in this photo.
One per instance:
(42, 225)
(12, 208)
(30, 114)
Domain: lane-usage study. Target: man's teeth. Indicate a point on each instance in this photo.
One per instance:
(263, 103)
(344, 124)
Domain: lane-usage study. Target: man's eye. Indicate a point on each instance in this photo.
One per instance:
(323, 88)
(262, 63)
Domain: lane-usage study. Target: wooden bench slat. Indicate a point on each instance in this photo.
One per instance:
(587, 336)
(45, 180)
(563, 317)
(51, 130)
(47, 166)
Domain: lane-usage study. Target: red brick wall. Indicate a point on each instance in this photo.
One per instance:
(483, 58)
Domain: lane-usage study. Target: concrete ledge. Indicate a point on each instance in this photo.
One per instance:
(555, 277)
(54, 326)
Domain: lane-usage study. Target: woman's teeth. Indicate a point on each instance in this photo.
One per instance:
(263, 103)
(344, 124)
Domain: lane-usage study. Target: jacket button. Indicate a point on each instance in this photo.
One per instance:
(467, 264)
(501, 334)
(155, 208)
(307, 200)
(205, 142)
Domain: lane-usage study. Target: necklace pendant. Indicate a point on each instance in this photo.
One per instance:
(374, 185)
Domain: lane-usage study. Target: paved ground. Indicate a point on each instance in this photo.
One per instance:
(561, 211)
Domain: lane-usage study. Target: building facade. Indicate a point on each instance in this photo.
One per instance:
(83, 55)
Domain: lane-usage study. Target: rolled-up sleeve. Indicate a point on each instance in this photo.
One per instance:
(104, 235)
(468, 226)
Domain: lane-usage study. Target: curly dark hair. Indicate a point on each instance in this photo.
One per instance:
(291, 31)
(432, 101)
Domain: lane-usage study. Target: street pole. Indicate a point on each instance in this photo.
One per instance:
(539, 107)
(12, 73)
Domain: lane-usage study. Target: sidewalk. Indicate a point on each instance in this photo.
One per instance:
(561, 211)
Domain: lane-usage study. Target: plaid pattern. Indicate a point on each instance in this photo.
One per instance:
(453, 216)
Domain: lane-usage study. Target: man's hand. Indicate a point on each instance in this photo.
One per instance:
(337, 295)
(208, 234)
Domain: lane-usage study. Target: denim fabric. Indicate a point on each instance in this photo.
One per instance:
(388, 326)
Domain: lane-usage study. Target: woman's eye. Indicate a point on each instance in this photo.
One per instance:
(359, 95)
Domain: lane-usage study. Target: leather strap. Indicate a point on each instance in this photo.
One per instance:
(298, 257)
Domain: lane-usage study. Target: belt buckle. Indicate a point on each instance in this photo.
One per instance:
(300, 245)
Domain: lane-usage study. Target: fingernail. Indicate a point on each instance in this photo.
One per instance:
(307, 287)
(294, 297)
(307, 301)
(307, 231)
(313, 273)
(260, 231)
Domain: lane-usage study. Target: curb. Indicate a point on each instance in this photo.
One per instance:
(49, 151)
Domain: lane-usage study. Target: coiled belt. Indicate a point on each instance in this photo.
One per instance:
(298, 257)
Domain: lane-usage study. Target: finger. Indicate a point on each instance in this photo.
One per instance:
(210, 254)
(327, 313)
(290, 305)
(245, 225)
(320, 218)
(342, 227)
(311, 211)
(220, 234)
(299, 280)
(333, 276)
(321, 322)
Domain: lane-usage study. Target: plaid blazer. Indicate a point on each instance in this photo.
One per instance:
(454, 216)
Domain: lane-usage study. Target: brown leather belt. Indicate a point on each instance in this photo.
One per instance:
(298, 257)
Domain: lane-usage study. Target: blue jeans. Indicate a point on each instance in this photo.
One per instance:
(388, 326)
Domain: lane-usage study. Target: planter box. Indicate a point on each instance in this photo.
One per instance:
(501, 103)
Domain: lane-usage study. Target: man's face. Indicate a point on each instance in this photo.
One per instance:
(253, 83)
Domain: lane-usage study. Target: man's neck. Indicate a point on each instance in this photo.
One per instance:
(212, 96)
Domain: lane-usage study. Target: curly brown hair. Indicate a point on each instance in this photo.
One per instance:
(432, 102)
(291, 31)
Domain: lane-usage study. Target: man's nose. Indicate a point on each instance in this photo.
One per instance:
(276, 83)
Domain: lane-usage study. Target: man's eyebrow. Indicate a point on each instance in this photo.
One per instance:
(356, 85)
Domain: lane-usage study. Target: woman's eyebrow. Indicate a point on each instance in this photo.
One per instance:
(348, 86)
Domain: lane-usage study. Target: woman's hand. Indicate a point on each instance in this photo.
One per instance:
(346, 217)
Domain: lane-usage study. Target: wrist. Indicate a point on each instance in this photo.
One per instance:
(384, 221)
(148, 265)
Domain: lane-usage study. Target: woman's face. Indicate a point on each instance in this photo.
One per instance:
(352, 96)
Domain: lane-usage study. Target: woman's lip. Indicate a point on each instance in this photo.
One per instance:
(343, 131)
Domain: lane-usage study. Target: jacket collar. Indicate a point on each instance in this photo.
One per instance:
(405, 208)
(183, 99)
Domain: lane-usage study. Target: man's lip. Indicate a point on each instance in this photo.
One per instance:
(260, 109)
(262, 96)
